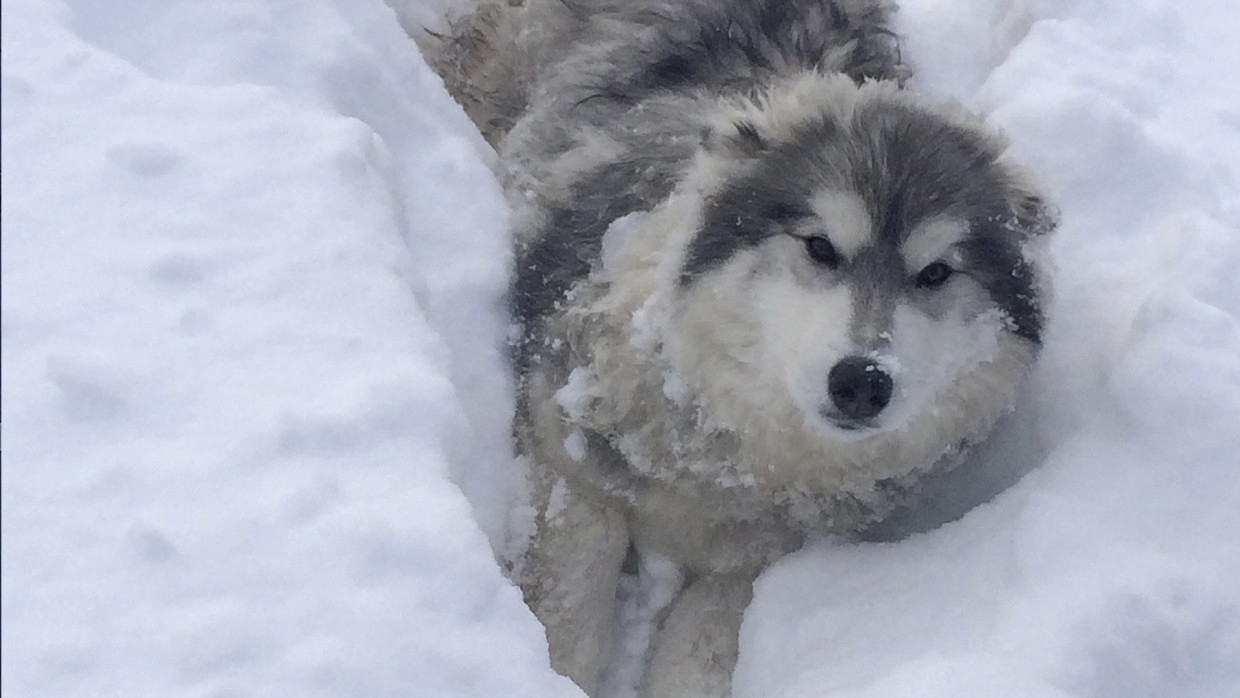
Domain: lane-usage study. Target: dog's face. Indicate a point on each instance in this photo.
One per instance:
(864, 263)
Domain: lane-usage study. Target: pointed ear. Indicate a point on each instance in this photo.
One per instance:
(739, 139)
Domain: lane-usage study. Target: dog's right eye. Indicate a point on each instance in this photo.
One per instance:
(934, 275)
(822, 251)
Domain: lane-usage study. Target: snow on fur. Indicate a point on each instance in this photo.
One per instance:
(252, 257)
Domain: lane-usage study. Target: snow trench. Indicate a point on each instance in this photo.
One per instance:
(255, 408)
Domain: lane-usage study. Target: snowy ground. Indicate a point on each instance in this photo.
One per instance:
(255, 412)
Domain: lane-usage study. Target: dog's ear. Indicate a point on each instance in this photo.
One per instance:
(739, 139)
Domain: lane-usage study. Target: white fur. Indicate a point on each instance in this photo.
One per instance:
(687, 419)
(933, 241)
(711, 395)
(748, 346)
(851, 227)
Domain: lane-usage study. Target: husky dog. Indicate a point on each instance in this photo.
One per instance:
(762, 291)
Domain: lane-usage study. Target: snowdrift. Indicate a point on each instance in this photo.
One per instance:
(255, 406)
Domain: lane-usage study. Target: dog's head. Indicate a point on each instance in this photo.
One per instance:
(861, 255)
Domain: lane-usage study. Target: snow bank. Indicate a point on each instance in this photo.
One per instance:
(1110, 571)
(252, 257)
(255, 415)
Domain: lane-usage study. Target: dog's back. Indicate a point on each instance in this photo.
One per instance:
(496, 58)
(597, 105)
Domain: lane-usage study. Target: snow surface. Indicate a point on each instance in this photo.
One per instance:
(252, 264)
(255, 410)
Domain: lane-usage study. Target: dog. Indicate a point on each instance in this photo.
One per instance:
(762, 291)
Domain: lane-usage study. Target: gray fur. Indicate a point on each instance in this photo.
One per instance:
(641, 73)
(721, 125)
(910, 166)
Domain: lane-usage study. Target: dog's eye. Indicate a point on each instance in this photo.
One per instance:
(822, 251)
(934, 275)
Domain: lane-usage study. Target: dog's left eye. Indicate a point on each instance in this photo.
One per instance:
(822, 251)
(934, 275)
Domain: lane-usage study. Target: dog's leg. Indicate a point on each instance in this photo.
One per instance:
(571, 573)
(695, 649)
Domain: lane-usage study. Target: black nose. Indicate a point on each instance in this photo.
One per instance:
(859, 387)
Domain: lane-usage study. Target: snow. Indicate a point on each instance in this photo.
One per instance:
(252, 267)
(642, 598)
(1110, 570)
(256, 412)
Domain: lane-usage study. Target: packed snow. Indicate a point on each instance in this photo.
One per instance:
(255, 408)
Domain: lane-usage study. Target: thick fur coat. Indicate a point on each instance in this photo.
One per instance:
(762, 292)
